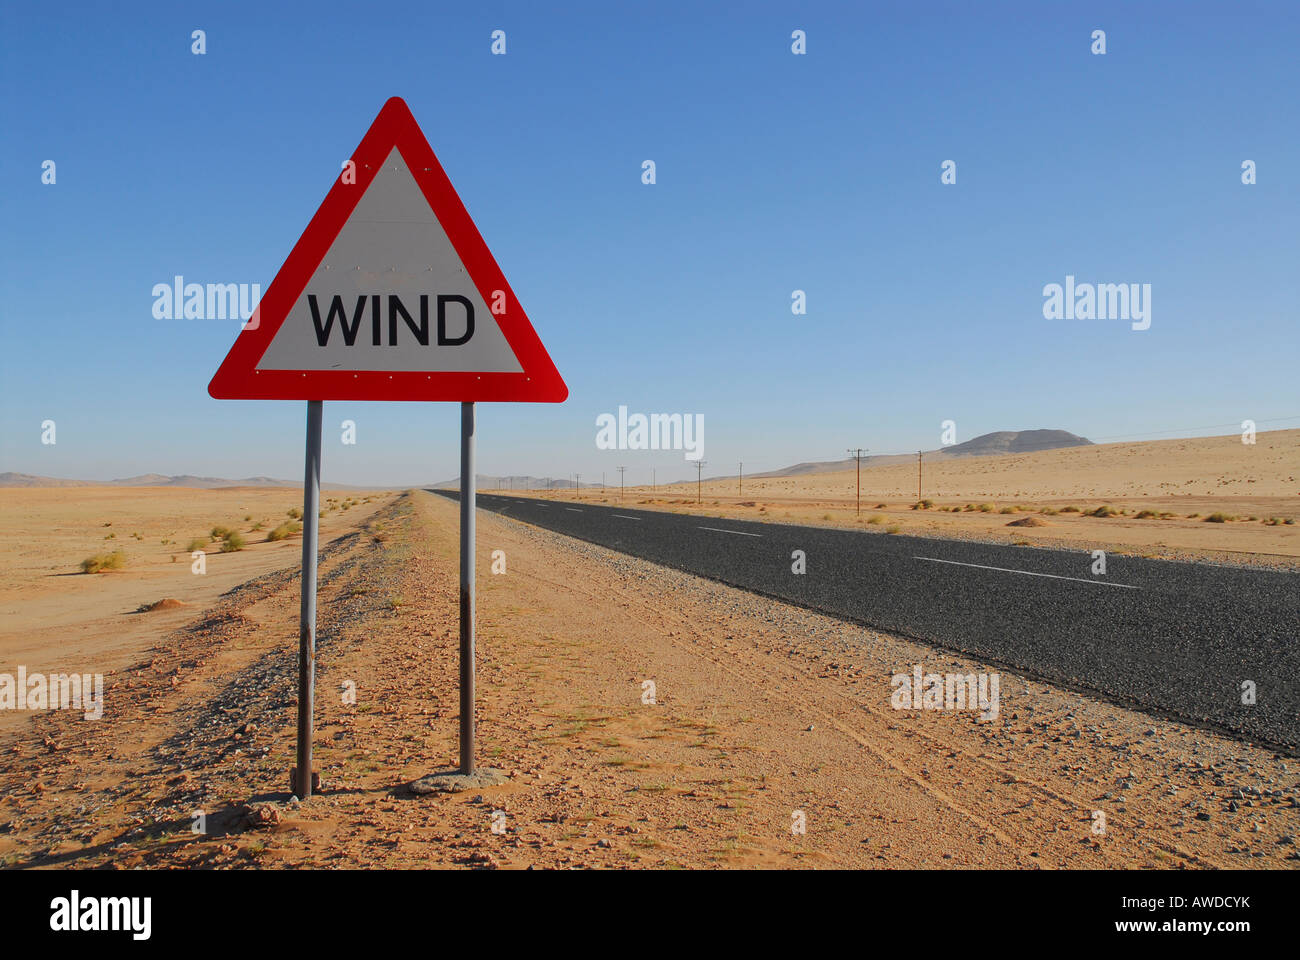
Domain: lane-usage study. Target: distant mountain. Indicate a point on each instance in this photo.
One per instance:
(189, 480)
(27, 480)
(483, 481)
(829, 466)
(988, 445)
(1015, 441)
(162, 480)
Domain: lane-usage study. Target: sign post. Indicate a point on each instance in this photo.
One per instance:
(390, 294)
(304, 780)
(467, 502)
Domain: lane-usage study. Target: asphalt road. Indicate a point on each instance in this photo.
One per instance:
(1174, 638)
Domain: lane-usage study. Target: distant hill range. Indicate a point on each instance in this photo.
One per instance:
(987, 445)
(483, 481)
(162, 480)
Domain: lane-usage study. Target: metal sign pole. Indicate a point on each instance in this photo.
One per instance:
(303, 777)
(467, 588)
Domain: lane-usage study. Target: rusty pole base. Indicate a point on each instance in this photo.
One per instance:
(293, 783)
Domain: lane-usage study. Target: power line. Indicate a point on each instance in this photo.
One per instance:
(856, 453)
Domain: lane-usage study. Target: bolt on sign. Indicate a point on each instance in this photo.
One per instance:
(390, 294)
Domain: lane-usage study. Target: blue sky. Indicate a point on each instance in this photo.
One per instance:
(775, 172)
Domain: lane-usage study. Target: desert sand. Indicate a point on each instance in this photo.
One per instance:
(54, 617)
(764, 716)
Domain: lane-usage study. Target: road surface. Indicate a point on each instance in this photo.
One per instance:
(1174, 638)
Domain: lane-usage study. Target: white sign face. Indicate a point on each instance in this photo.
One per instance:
(391, 295)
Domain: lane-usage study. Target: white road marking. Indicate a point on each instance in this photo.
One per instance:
(626, 517)
(574, 509)
(1030, 573)
(739, 533)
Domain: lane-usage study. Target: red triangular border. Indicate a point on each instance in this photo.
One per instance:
(238, 377)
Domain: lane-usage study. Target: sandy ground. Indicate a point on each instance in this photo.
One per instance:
(1189, 480)
(764, 717)
(53, 617)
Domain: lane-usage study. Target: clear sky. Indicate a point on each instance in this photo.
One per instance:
(775, 172)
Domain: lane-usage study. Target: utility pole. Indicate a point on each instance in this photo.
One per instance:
(918, 476)
(654, 480)
(602, 481)
(742, 478)
(620, 483)
(577, 483)
(699, 468)
(856, 453)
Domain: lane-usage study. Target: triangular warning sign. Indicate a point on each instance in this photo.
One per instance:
(390, 294)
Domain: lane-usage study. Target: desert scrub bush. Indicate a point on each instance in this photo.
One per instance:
(104, 561)
(284, 531)
(1147, 515)
(197, 544)
(1219, 517)
(257, 526)
(985, 508)
(233, 542)
(1007, 510)
(111, 536)
(220, 532)
(891, 529)
(875, 518)
(247, 518)
(1070, 509)
(294, 513)
(880, 506)
(923, 505)
(1049, 511)
(1106, 510)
